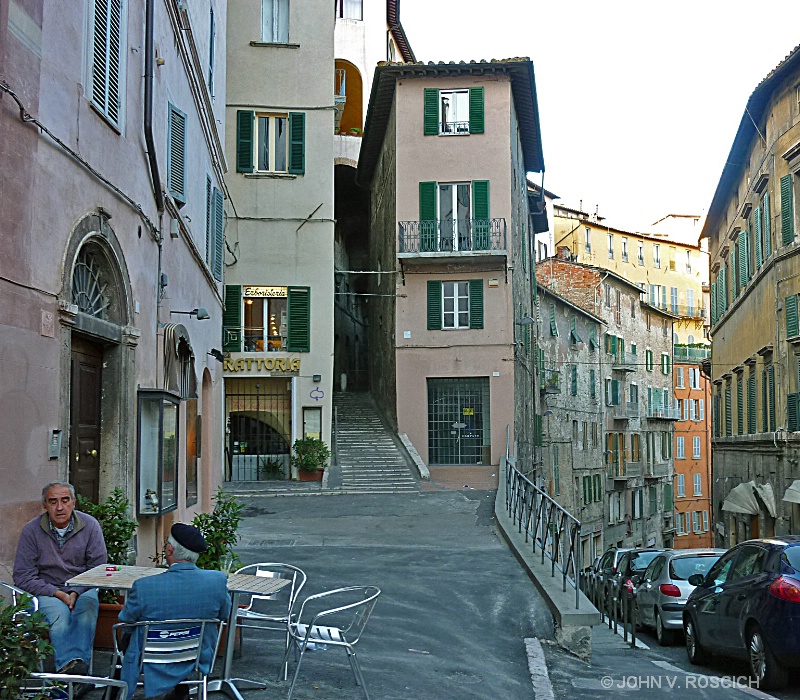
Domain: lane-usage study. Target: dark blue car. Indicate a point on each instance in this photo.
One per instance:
(748, 606)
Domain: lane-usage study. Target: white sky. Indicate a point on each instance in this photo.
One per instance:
(639, 100)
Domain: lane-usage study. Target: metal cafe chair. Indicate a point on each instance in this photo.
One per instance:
(12, 595)
(334, 618)
(168, 642)
(69, 687)
(272, 612)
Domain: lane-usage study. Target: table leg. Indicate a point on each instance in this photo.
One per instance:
(227, 685)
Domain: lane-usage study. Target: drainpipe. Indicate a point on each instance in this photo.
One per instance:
(148, 104)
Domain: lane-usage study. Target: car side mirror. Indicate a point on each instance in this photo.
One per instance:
(696, 579)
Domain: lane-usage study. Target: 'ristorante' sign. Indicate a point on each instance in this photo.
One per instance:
(261, 364)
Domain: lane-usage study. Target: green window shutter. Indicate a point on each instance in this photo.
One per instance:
(553, 325)
(245, 120)
(297, 143)
(476, 304)
(434, 305)
(739, 407)
(667, 497)
(587, 489)
(758, 233)
(427, 217)
(614, 345)
(648, 362)
(573, 324)
(614, 392)
(713, 302)
(480, 212)
(728, 412)
(764, 402)
(232, 319)
(431, 111)
(209, 223)
(767, 226)
(751, 404)
(793, 412)
(476, 110)
(574, 379)
(176, 155)
(771, 380)
(219, 234)
(790, 305)
(299, 303)
(743, 278)
(592, 384)
(787, 210)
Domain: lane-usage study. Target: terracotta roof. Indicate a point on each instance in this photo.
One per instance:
(573, 304)
(396, 28)
(523, 88)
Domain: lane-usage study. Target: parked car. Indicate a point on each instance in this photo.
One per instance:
(607, 568)
(632, 563)
(661, 591)
(748, 606)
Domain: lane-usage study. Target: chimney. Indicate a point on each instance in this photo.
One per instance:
(564, 253)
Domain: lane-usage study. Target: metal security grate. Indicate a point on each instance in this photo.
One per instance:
(259, 429)
(458, 421)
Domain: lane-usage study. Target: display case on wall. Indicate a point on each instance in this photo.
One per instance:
(158, 452)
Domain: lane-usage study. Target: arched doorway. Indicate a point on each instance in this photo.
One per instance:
(349, 97)
(95, 331)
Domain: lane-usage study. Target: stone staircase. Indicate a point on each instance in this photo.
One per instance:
(369, 458)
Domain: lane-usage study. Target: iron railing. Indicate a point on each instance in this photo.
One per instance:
(626, 410)
(684, 353)
(552, 382)
(454, 127)
(546, 525)
(451, 235)
(663, 412)
(626, 361)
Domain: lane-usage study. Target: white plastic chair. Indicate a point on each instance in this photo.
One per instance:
(334, 618)
(69, 687)
(272, 612)
(169, 642)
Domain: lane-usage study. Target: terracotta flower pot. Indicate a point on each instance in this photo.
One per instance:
(312, 476)
(107, 617)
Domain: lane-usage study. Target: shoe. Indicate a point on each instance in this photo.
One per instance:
(81, 668)
(67, 667)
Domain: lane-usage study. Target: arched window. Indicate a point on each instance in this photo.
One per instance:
(690, 340)
(88, 285)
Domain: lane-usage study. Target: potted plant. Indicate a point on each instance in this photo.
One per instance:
(118, 529)
(26, 643)
(310, 456)
(355, 131)
(220, 530)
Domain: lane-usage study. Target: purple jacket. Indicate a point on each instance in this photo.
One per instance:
(41, 568)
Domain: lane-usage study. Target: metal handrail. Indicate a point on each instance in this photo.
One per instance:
(547, 525)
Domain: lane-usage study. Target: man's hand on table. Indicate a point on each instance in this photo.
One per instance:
(67, 598)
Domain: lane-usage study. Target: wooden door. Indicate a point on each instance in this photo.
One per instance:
(84, 434)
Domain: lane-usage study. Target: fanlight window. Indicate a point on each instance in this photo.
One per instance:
(88, 288)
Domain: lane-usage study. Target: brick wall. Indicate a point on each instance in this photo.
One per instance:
(572, 281)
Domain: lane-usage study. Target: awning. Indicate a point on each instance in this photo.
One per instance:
(741, 499)
(768, 496)
(793, 492)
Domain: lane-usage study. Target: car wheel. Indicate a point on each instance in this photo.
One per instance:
(697, 655)
(766, 670)
(665, 636)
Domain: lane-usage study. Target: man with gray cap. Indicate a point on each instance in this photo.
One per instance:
(182, 591)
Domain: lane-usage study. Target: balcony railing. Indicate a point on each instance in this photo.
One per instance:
(454, 127)
(452, 236)
(625, 410)
(663, 412)
(551, 382)
(686, 311)
(683, 353)
(656, 470)
(626, 361)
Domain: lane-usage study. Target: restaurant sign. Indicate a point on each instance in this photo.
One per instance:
(261, 364)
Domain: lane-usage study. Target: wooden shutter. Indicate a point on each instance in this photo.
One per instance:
(787, 210)
(209, 224)
(751, 404)
(219, 234)
(743, 258)
(476, 304)
(480, 213)
(767, 226)
(667, 497)
(297, 143)
(757, 233)
(476, 110)
(107, 44)
(553, 324)
(299, 321)
(427, 217)
(431, 112)
(771, 380)
(793, 412)
(232, 319)
(713, 302)
(245, 121)
(176, 155)
(574, 380)
(790, 305)
(434, 305)
(615, 392)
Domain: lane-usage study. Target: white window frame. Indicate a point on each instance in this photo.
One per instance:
(680, 452)
(273, 150)
(640, 257)
(679, 524)
(460, 125)
(690, 303)
(277, 33)
(624, 250)
(673, 299)
(680, 487)
(705, 520)
(101, 102)
(679, 377)
(697, 489)
(588, 243)
(610, 246)
(701, 410)
(456, 297)
(696, 447)
(696, 522)
(345, 9)
(692, 409)
(656, 255)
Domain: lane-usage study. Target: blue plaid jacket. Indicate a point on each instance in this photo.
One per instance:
(182, 591)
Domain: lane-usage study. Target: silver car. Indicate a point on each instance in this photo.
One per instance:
(661, 591)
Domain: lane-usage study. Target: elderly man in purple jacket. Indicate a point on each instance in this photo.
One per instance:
(54, 547)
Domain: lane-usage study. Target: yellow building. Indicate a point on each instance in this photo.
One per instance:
(752, 228)
(671, 271)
